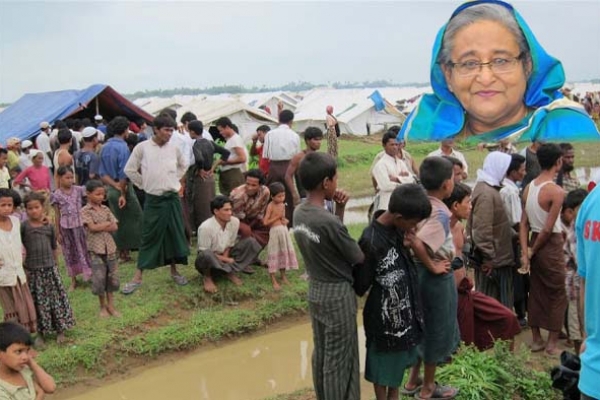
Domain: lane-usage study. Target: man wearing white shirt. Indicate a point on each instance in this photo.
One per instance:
(389, 172)
(232, 169)
(281, 145)
(219, 248)
(447, 149)
(42, 142)
(157, 166)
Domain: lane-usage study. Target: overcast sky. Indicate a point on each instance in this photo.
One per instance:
(134, 46)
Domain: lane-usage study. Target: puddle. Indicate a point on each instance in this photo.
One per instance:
(249, 369)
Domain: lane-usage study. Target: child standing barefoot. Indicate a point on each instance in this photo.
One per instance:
(20, 376)
(99, 223)
(15, 297)
(282, 255)
(67, 201)
(54, 313)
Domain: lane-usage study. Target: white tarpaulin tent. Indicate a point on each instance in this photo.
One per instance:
(270, 100)
(247, 118)
(354, 109)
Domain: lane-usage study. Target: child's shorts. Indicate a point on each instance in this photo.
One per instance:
(386, 368)
(105, 278)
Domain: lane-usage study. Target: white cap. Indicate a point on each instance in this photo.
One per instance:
(98, 117)
(88, 132)
(26, 144)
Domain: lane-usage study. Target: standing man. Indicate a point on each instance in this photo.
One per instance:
(511, 198)
(200, 181)
(333, 131)
(42, 142)
(532, 166)
(232, 169)
(281, 145)
(14, 151)
(389, 172)
(447, 149)
(588, 248)
(491, 232)
(121, 197)
(257, 150)
(312, 137)
(157, 166)
(543, 200)
(24, 157)
(566, 178)
(86, 160)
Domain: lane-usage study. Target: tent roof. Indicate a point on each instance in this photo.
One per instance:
(210, 109)
(23, 117)
(347, 103)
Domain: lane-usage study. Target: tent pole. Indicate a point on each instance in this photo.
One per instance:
(97, 107)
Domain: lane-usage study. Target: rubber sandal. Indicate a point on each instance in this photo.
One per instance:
(180, 280)
(438, 393)
(411, 392)
(131, 287)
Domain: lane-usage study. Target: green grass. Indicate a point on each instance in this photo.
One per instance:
(161, 317)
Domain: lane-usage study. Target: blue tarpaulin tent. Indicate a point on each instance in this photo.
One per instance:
(22, 119)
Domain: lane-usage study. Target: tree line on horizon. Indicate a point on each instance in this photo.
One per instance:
(288, 87)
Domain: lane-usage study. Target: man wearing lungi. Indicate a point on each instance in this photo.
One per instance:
(543, 200)
(157, 166)
(219, 251)
(121, 197)
(281, 145)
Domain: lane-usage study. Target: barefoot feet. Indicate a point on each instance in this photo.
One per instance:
(104, 313)
(234, 278)
(113, 311)
(209, 285)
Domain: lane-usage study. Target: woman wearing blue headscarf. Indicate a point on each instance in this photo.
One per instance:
(492, 80)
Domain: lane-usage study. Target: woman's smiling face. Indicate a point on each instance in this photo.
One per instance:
(491, 100)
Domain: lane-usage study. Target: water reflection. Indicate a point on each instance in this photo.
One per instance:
(255, 368)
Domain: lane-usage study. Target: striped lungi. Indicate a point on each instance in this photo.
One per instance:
(499, 284)
(335, 362)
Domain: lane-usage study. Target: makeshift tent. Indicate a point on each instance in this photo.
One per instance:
(22, 119)
(270, 100)
(358, 111)
(209, 109)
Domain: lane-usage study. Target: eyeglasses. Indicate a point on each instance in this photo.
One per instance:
(497, 65)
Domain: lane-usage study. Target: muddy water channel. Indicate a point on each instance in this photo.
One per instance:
(247, 369)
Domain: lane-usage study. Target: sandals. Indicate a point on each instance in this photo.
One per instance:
(180, 280)
(131, 287)
(411, 392)
(438, 393)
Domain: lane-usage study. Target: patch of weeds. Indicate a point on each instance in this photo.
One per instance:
(498, 374)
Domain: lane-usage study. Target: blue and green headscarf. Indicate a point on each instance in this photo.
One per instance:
(440, 116)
